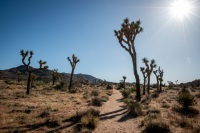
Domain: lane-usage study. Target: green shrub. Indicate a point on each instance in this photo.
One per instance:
(126, 92)
(104, 98)
(156, 127)
(185, 99)
(135, 108)
(60, 86)
(96, 101)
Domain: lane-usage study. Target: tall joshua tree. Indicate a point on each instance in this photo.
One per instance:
(126, 37)
(124, 77)
(149, 69)
(73, 65)
(27, 65)
(161, 77)
(144, 73)
(157, 79)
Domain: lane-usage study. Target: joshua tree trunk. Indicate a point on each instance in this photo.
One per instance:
(124, 84)
(144, 86)
(148, 85)
(160, 85)
(134, 59)
(28, 90)
(70, 83)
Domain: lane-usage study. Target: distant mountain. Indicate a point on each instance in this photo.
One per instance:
(90, 78)
(195, 83)
(45, 74)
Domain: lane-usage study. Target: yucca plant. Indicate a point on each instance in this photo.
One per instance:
(185, 99)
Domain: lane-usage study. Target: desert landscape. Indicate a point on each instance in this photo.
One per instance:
(99, 66)
(101, 107)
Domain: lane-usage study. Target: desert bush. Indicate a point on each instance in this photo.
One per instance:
(135, 108)
(109, 87)
(89, 121)
(185, 99)
(53, 122)
(155, 95)
(156, 127)
(96, 101)
(95, 93)
(120, 85)
(79, 115)
(60, 86)
(9, 82)
(126, 92)
(46, 112)
(154, 111)
(104, 98)
(165, 105)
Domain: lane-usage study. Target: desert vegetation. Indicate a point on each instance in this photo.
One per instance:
(64, 102)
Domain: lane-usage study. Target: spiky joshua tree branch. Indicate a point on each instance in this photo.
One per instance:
(126, 37)
(73, 65)
(29, 55)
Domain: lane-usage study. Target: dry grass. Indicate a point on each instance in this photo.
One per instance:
(46, 109)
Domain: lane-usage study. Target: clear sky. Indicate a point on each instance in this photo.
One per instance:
(56, 29)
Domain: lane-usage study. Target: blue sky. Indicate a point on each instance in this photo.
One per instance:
(56, 29)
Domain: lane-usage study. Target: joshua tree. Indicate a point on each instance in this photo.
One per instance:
(30, 70)
(73, 65)
(126, 37)
(33, 78)
(176, 81)
(142, 69)
(124, 77)
(19, 76)
(149, 70)
(160, 78)
(157, 79)
(55, 75)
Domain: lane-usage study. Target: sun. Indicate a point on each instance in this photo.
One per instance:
(180, 9)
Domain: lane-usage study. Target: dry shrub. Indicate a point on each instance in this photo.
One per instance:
(156, 127)
(53, 122)
(86, 119)
(96, 101)
(135, 108)
(104, 98)
(95, 93)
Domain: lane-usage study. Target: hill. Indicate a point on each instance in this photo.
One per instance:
(45, 74)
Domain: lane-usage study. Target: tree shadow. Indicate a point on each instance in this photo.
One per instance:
(120, 100)
(31, 127)
(126, 117)
(113, 114)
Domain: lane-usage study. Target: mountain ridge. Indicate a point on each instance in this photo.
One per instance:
(12, 74)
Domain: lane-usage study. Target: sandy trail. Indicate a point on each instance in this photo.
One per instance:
(114, 118)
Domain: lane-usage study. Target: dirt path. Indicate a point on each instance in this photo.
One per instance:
(114, 118)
